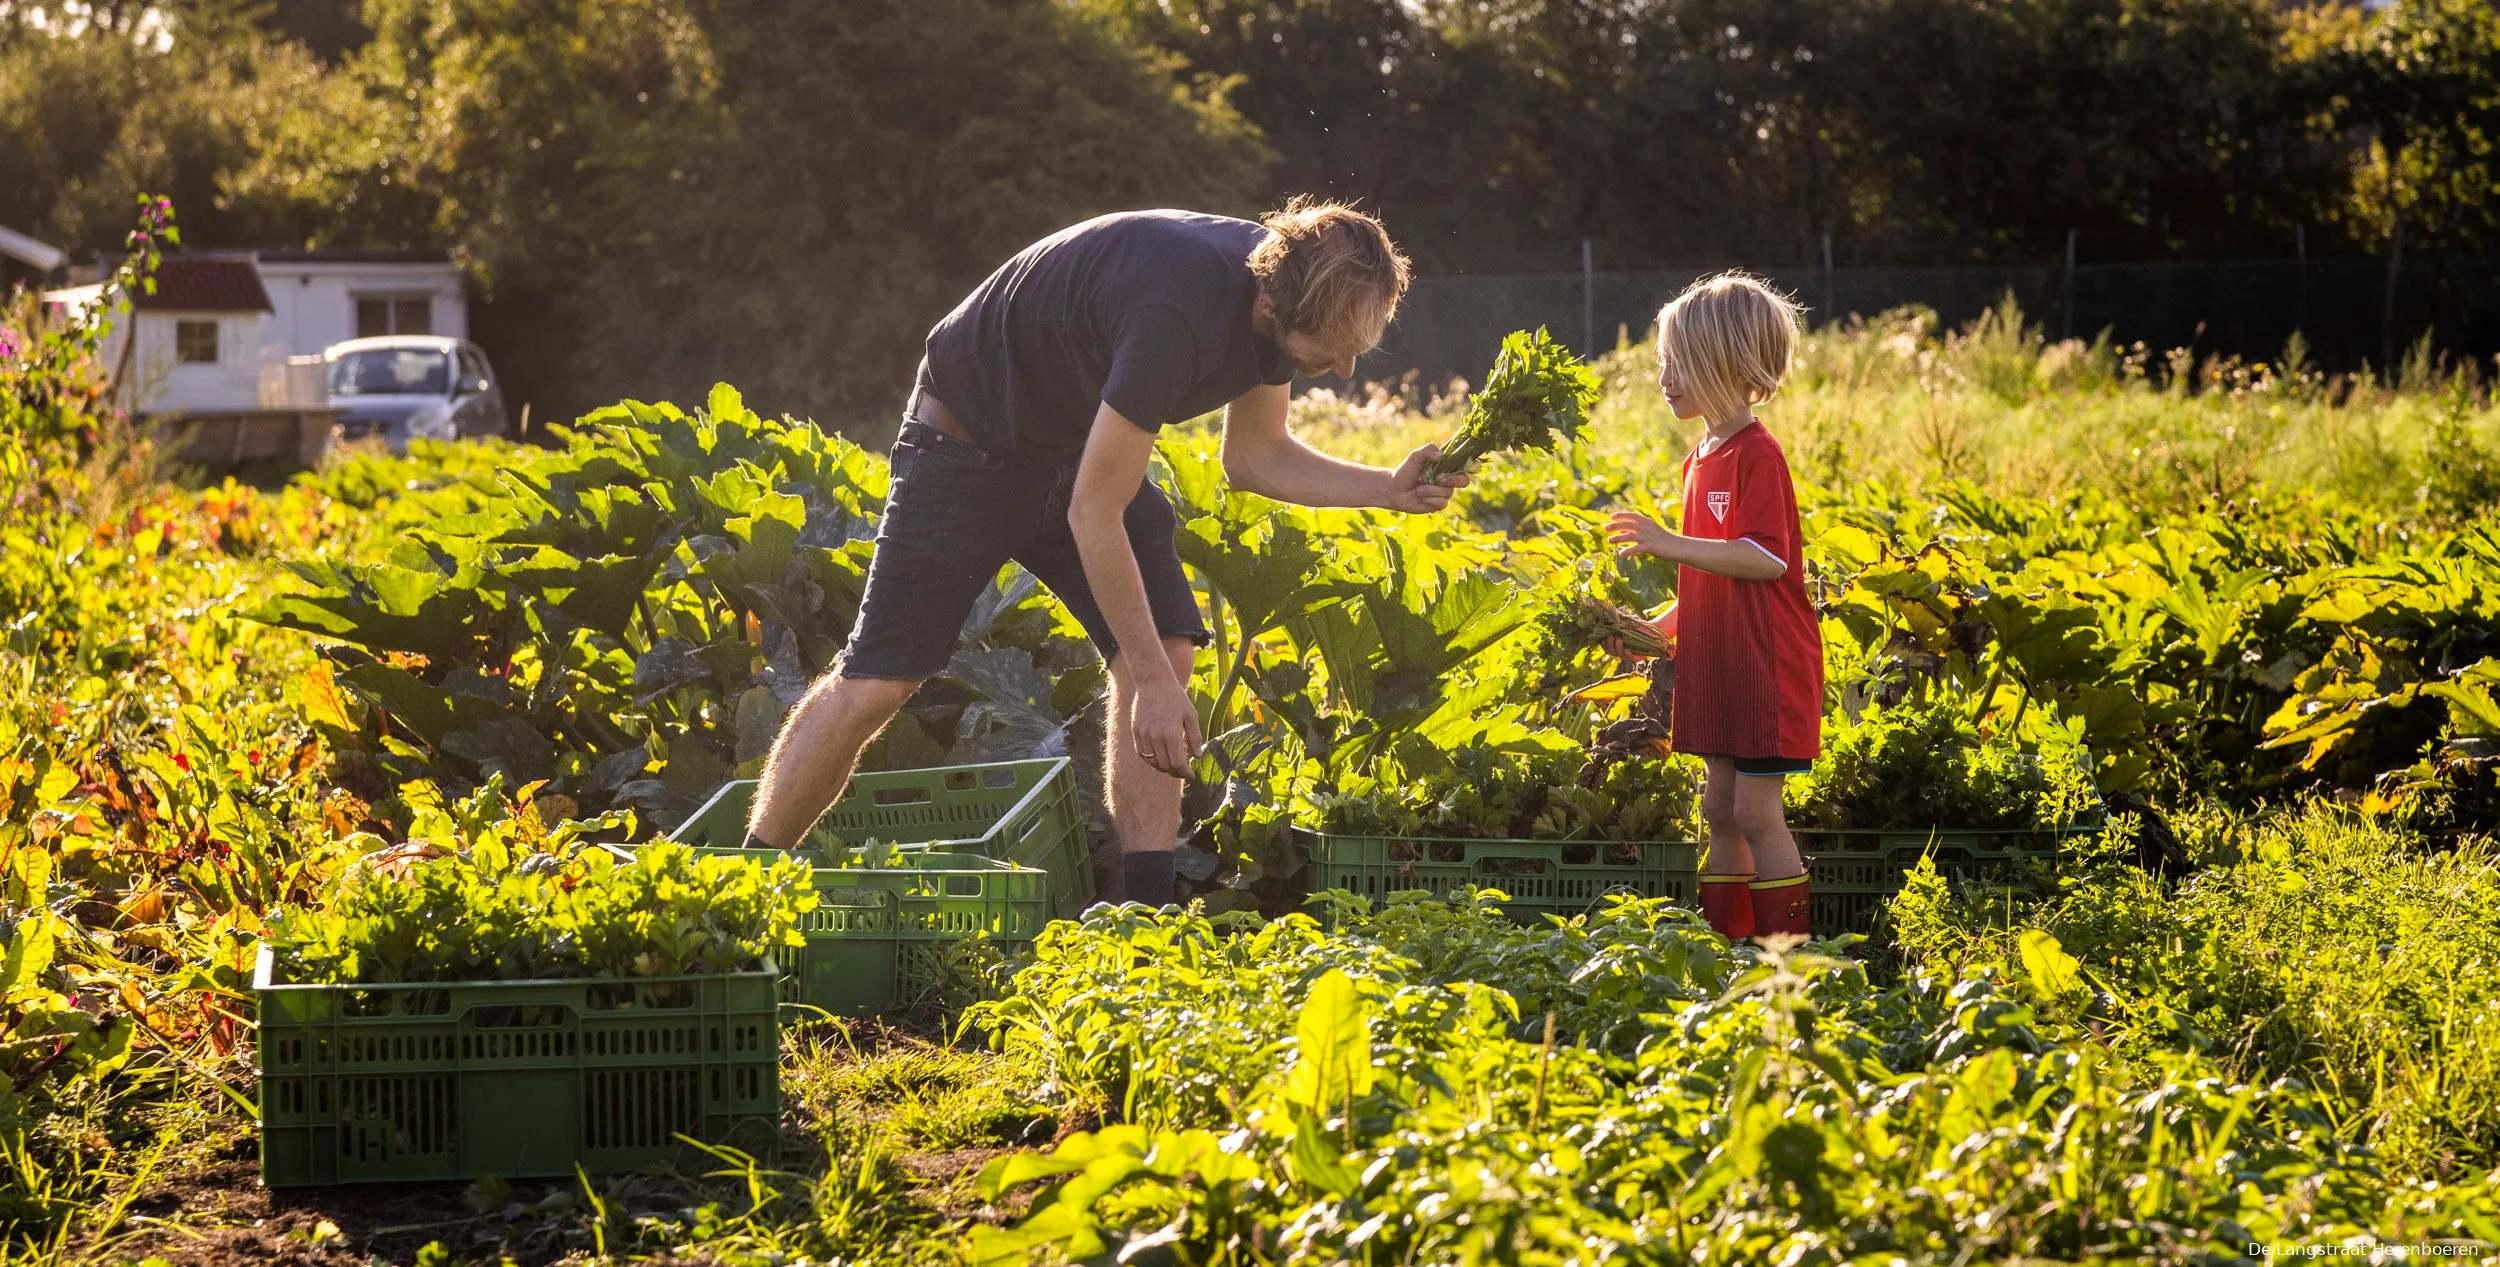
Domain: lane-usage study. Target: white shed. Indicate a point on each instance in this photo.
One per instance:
(327, 296)
(193, 354)
(198, 338)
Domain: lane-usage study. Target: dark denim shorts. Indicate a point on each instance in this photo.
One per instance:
(956, 514)
(1768, 767)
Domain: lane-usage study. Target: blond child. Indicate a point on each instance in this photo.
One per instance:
(1749, 659)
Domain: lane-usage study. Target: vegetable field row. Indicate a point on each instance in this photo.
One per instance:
(2262, 1015)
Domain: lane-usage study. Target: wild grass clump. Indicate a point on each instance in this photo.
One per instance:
(2320, 945)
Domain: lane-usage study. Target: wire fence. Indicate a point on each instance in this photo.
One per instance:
(2350, 311)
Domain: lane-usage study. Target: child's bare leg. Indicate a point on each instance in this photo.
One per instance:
(1730, 852)
(1761, 818)
(1726, 897)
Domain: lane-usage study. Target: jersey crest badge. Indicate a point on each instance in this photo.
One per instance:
(1718, 504)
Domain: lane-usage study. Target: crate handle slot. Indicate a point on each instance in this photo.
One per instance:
(962, 885)
(999, 777)
(859, 897)
(1512, 864)
(516, 1016)
(916, 794)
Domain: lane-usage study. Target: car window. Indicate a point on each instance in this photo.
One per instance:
(391, 372)
(472, 365)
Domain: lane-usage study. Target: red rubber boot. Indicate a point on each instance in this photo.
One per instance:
(1782, 906)
(1728, 907)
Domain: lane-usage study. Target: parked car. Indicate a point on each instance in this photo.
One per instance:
(413, 386)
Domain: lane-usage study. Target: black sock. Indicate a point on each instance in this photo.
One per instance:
(1146, 876)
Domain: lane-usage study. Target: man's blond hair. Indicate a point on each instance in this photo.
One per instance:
(1331, 271)
(1730, 338)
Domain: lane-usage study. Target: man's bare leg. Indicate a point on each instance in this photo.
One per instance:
(1145, 802)
(812, 757)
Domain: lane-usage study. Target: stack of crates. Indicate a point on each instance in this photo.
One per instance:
(878, 935)
(995, 851)
(1025, 812)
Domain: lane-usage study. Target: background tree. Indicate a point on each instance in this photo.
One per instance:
(171, 98)
(651, 194)
(2415, 91)
(658, 195)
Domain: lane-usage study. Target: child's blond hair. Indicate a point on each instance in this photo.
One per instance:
(1730, 338)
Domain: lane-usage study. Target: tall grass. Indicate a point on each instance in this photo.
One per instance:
(2320, 945)
(1902, 400)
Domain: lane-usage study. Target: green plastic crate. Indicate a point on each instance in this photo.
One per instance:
(948, 894)
(863, 955)
(519, 1079)
(876, 934)
(1015, 811)
(1561, 877)
(1856, 871)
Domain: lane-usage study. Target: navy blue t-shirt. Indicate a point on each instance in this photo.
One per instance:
(1146, 310)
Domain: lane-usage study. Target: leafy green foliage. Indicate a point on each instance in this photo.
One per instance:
(1926, 764)
(170, 772)
(2320, 944)
(630, 617)
(1488, 794)
(494, 912)
(1623, 1086)
(1538, 395)
(1587, 622)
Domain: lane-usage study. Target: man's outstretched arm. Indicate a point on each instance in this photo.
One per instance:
(1164, 723)
(1262, 456)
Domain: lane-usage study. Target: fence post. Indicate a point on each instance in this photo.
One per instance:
(1588, 297)
(1831, 306)
(2387, 317)
(2300, 278)
(2066, 318)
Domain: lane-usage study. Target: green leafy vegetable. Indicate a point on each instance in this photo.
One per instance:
(496, 913)
(1587, 622)
(1537, 389)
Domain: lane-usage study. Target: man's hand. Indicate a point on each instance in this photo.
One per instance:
(1164, 723)
(1637, 534)
(1409, 491)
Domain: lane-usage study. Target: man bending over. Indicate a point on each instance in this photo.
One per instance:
(1027, 439)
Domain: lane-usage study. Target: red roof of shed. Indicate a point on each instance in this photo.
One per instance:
(194, 283)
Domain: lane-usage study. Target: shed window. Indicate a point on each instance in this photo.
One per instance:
(195, 342)
(394, 314)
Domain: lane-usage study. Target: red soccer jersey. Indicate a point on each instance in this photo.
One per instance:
(1749, 654)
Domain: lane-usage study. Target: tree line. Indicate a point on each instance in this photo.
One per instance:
(652, 194)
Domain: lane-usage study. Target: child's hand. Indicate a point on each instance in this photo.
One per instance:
(1661, 627)
(1635, 534)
